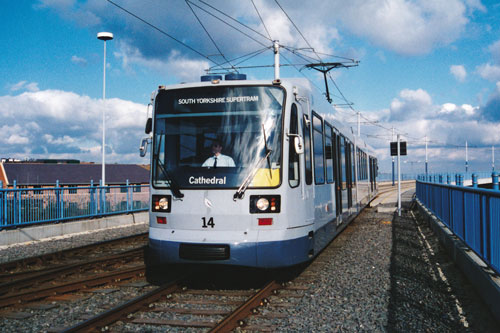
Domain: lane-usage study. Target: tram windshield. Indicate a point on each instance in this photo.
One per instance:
(217, 137)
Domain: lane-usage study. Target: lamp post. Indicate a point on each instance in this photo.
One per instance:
(104, 36)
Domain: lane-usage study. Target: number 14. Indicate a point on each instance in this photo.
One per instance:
(209, 223)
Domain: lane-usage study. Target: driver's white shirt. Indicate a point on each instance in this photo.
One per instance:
(222, 161)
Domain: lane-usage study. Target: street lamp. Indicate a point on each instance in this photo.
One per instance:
(105, 36)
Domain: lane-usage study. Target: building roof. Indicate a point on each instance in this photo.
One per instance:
(73, 174)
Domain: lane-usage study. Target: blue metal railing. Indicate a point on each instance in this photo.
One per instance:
(473, 214)
(23, 206)
(385, 176)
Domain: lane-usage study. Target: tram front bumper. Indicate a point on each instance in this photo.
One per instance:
(266, 254)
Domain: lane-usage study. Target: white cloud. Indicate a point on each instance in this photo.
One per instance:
(411, 104)
(16, 139)
(489, 72)
(447, 127)
(406, 27)
(24, 85)
(175, 64)
(459, 72)
(67, 125)
(476, 4)
(495, 51)
(78, 60)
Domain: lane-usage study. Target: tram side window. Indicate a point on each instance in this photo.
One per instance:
(336, 162)
(319, 164)
(329, 153)
(360, 165)
(363, 165)
(307, 149)
(293, 165)
(353, 171)
(366, 165)
(342, 162)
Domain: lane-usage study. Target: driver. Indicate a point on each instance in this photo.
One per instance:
(217, 159)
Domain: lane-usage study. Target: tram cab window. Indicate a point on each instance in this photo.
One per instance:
(319, 164)
(244, 122)
(293, 164)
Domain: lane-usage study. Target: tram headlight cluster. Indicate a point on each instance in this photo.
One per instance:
(161, 203)
(262, 204)
(265, 204)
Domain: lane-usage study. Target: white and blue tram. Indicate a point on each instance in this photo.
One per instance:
(291, 188)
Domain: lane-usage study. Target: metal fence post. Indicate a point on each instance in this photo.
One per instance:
(58, 201)
(448, 179)
(16, 207)
(128, 196)
(494, 180)
(474, 180)
(92, 197)
(101, 197)
(2, 194)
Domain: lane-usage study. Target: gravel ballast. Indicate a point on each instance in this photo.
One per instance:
(383, 273)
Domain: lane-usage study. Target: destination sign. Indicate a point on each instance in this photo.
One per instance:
(214, 100)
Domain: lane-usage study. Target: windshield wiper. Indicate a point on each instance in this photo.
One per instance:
(174, 187)
(240, 193)
(268, 151)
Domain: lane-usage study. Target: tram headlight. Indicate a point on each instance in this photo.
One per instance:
(161, 203)
(265, 204)
(262, 204)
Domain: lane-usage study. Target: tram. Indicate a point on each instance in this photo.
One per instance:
(254, 173)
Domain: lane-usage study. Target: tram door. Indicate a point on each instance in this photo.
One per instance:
(372, 174)
(338, 173)
(308, 185)
(348, 163)
(343, 172)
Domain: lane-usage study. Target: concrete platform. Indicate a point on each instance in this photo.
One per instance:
(37, 233)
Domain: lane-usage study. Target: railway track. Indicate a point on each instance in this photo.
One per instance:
(34, 282)
(162, 305)
(16, 268)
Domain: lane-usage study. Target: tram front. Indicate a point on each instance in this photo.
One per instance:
(215, 173)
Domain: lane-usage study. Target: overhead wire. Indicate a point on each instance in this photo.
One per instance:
(209, 35)
(261, 20)
(233, 19)
(297, 28)
(161, 31)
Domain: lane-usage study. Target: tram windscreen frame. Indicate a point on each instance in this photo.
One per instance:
(245, 120)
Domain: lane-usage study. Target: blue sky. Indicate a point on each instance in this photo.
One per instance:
(426, 68)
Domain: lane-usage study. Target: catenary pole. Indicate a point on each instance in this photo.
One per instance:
(399, 178)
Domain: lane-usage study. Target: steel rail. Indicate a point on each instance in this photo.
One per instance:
(114, 314)
(236, 318)
(62, 254)
(71, 286)
(24, 279)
